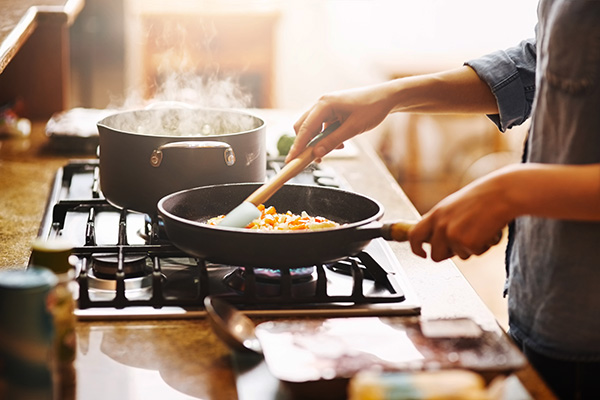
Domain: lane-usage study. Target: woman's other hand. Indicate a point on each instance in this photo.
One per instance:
(467, 222)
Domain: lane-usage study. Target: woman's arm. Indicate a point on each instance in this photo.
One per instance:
(454, 91)
(362, 109)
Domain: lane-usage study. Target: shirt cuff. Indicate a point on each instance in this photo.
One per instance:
(501, 74)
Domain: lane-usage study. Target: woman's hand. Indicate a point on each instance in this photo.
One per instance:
(358, 110)
(471, 220)
(468, 222)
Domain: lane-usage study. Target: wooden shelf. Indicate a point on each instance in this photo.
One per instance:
(34, 54)
(215, 45)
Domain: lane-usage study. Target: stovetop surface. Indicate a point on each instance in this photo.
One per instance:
(167, 283)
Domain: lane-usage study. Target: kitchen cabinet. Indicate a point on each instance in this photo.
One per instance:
(34, 54)
(203, 40)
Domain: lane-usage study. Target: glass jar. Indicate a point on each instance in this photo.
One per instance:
(54, 254)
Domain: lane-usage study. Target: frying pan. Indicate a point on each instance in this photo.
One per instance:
(184, 214)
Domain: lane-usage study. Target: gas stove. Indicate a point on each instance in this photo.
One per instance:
(127, 268)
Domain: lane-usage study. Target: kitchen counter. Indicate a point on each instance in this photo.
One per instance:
(174, 359)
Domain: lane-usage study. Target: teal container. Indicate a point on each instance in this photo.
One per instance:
(26, 329)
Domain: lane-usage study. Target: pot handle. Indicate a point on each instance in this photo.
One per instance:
(228, 154)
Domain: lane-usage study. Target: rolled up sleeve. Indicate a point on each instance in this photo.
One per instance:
(510, 74)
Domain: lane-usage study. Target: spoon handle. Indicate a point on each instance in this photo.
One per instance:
(290, 170)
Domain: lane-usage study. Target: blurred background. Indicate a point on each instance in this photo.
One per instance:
(286, 53)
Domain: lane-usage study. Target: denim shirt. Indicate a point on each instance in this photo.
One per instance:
(554, 265)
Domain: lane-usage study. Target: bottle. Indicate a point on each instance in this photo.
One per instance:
(26, 334)
(54, 254)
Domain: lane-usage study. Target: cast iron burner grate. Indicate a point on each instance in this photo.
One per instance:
(148, 272)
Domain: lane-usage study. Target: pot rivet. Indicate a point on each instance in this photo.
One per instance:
(229, 157)
(156, 158)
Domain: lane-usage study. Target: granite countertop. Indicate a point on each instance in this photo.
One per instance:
(175, 359)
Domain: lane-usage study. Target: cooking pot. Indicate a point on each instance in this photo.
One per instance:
(147, 154)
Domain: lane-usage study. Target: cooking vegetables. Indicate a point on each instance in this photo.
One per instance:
(271, 220)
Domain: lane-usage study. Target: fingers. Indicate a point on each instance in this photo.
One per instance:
(427, 231)
(300, 121)
(333, 141)
(307, 127)
(480, 247)
(462, 252)
(444, 245)
(441, 248)
(420, 234)
(496, 239)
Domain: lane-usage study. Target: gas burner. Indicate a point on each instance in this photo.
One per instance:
(105, 266)
(269, 281)
(104, 289)
(102, 277)
(274, 275)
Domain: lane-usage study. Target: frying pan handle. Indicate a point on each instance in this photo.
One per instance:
(228, 154)
(397, 231)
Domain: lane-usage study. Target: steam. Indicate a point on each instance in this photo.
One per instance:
(202, 92)
(187, 100)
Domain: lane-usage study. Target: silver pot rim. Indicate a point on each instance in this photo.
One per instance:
(108, 123)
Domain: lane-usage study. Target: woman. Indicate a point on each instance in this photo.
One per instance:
(551, 201)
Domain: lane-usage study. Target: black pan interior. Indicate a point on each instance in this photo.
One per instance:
(341, 206)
